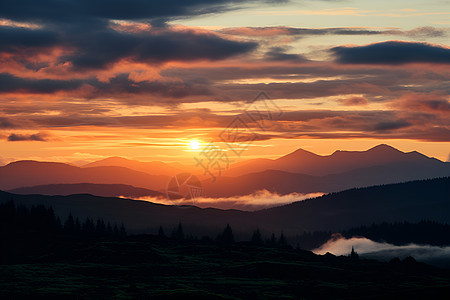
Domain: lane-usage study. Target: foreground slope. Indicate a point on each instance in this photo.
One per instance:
(145, 268)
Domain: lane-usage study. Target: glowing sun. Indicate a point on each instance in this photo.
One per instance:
(195, 145)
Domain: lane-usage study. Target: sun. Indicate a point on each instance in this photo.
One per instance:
(195, 145)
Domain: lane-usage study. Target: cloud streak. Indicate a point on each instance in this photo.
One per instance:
(426, 31)
(39, 137)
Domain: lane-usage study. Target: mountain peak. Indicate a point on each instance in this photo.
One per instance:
(299, 154)
(384, 148)
(379, 149)
(115, 158)
(33, 162)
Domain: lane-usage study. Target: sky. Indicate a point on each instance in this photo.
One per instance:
(162, 80)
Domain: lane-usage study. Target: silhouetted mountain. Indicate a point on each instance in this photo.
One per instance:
(153, 168)
(32, 173)
(104, 190)
(305, 162)
(412, 202)
(379, 165)
(283, 182)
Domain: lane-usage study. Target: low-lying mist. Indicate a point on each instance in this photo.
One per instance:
(255, 201)
(366, 248)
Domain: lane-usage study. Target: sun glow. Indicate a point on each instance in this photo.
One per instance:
(194, 144)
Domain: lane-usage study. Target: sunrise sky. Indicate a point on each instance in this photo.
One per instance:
(159, 80)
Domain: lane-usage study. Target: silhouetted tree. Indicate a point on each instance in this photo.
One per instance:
(39, 221)
(122, 232)
(116, 230)
(77, 228)
(282, 242)
(227, 236)
(354, 254)
(273, 241)
(161, 233)
(69, 225)
(256, 237)
(178, 234)
(109, 230)
(100, 228)
(88, 227)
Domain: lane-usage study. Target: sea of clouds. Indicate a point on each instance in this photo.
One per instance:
(255, 201)
(366, 248)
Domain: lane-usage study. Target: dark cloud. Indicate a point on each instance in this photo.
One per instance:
(392, 52)
(40, 137)
(83, 28)
(352, 101)
(433, 102)
(11, 83)
(198, 84)
(392, 125)
(295, 31)
(102, 48)
(6, 123)
(439, 105)
(426, 31)
(79, 10)
(13, 39)
(116, 86)
(279, 54)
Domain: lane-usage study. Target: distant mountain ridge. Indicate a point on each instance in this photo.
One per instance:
(305, 162)
(282, 182)
(153, 167)
(31, 173)
(96, 189)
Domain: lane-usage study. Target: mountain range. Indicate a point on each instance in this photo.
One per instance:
(153, 167)
(31, 173)
(104, 190)
(300, 172)
(305, 162)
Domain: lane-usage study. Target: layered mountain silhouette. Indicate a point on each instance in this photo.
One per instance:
(32, 173)
(104, 190)
(305, 172)
(282, 182)
(305, 162)
(300, 171)
(411, 201)
(153, 167)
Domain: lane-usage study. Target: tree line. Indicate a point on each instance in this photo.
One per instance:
(39, 220)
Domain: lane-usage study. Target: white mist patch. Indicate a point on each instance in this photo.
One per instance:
(366, 248)
(258, 200)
